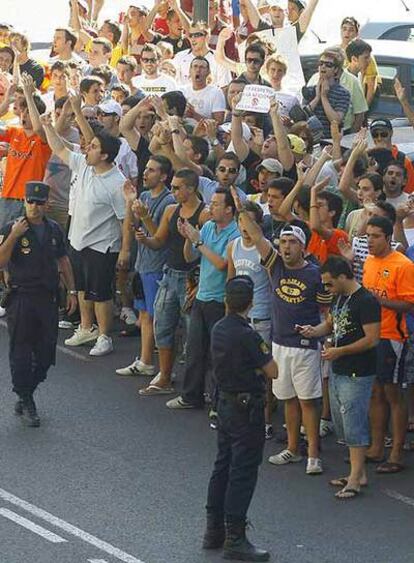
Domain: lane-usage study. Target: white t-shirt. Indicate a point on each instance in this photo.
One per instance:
(126, 160)
(220, 76)
(286, 102)
(396, 201)
(99, 207)
(206, 101)
(256, 199)
(159, 85)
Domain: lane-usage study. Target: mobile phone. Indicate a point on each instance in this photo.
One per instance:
(298, 327)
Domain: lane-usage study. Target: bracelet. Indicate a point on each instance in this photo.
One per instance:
(175, 132)
(198, 244)
(72, 292)
(314, 206)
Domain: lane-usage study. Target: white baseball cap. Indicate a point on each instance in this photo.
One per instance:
(296, 232)
(282, 4)
(111, 106)
(247, 134)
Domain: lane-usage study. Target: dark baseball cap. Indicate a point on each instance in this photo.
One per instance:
(242, 286)
(37, 191)
(381, 124)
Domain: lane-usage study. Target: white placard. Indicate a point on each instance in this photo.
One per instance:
(256, 98)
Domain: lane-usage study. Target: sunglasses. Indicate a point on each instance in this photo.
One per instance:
(328, 64)
(251, 61)
(104, 114)
(148, 60)
(197, 34)
(227, 169)
(382, 134)
(35, 201)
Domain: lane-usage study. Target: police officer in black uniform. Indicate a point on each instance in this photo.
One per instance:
(33, 250)
(241, 360)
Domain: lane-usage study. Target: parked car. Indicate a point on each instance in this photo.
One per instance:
(391, 30)
(394, 59)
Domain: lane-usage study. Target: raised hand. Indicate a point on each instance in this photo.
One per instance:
(46, 119)
(75, 101)
(345, 248)
(129, 191)
(20, 226)
(28, 85)
(399, 91)
(225, 33)
(140, 209)
(236, 199)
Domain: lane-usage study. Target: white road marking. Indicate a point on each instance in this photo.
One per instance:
(397, 496)
(61, 348)
(97, 561)
(69, 528)
(49, 536)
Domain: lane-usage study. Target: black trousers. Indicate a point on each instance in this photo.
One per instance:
(204, 315)
(240, 439)
(32, 321)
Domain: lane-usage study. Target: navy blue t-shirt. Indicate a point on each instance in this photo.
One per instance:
(297, 295)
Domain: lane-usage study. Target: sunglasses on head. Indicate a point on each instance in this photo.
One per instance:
(197, 34)
(227, 169)
(328, 64)
(382, 134)
(35, 201)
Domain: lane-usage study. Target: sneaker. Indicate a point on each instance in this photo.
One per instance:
(213, 419)
(2, 312)
(314, 466)
(66, 325)
(179, 403)
(30, 413)
(268, 432)
(136, 368)
(128, 316)
(325, 427)
(284, 457)
(103, 346)
(82, 336)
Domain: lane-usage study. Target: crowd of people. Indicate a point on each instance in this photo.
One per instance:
(165, 186)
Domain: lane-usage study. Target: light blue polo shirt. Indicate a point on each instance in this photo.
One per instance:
(213, 281)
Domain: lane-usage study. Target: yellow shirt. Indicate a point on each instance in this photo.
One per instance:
(117, 53)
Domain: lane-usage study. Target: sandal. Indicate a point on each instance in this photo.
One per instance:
(342, 482)
(134, 331)
(347, 494)
(154, 389)
(390, 467)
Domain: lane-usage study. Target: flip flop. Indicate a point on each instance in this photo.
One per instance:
(347, 494)
(342, 482)
(390, 467)
(375, 460)
(153, 389)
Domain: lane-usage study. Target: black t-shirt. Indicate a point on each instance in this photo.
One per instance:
(180, 44)
(36, 71)
(349, 314)
(263, 25)
(237, 353)
(273, 227)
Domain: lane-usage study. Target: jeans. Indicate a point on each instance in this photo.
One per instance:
(350, 398)
(168, 305)
(204, 315)
(240, 440)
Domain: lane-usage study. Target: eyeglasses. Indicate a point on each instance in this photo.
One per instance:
(224, 169)
(35, 202)
(148, 60)
(251, 61)
(197, 34)
(328, 64)
(382, 134)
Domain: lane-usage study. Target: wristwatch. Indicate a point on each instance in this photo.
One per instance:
(72, 292)
(214, 142)
(198, 243)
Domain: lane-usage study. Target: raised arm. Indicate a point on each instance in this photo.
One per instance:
(54, 141)
(405, 104)
(306, 15)
(220, 54)
(184, 19)
(28, 90)
(86, 129)
(241, 147)
(347, 178)
(315, 221)
(252, 12)
(284, 150)
(285, 209)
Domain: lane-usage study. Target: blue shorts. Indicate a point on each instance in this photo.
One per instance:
(409, 361)
(168, 307)
(150, 285)
(350, 398)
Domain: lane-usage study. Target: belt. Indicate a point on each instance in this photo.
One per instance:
(13, 199)
(257, 320)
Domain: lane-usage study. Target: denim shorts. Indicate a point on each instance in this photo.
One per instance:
(150, 286)
(409, 361)
(168, 306)
(350, 399)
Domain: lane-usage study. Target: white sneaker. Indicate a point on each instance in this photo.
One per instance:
(103, 346)
(325, 427)
(314, 466)
(82, 336)
(128, 316)
(284, 457)
(136, 368)
(2, 312)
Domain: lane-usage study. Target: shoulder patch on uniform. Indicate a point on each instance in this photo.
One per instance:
(264, 348)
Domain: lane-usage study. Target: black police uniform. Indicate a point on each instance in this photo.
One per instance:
(238, 353)
(32, 303)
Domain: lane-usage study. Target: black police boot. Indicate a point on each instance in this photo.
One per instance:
(214, 534)
(30, 412)
(18, 407)
(237, 546)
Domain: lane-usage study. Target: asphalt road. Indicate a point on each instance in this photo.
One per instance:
(111, 476)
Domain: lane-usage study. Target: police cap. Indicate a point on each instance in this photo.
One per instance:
(240, 286)
(37, 191)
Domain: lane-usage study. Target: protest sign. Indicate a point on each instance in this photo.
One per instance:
(256, 98)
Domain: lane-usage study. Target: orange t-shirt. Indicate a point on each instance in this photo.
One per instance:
(26, 161)
(391, 277)
(322, 248)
